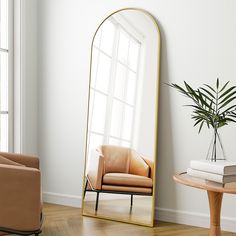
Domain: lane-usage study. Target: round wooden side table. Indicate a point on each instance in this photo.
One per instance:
(215, 193)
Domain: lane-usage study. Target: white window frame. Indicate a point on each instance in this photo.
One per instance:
(129, 30)
(10, 52)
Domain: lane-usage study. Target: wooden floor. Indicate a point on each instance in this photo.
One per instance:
(67, 221)
(119, 209)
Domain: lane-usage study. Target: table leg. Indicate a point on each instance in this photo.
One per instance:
(215, 200)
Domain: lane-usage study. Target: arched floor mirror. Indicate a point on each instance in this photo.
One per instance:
(121, 146)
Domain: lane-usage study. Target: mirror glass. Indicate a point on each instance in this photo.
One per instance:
(119, 182)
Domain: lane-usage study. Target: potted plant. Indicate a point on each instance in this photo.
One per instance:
(213, 107)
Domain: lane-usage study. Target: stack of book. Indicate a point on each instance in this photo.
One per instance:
(220, 171)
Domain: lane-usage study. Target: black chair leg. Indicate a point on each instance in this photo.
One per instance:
(97, 199)
(85, 188)
(131, 200)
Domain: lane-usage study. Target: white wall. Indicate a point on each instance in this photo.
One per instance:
(198, 45)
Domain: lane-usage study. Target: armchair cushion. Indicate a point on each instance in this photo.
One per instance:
(127, 189)
(122, 179)
(6, 161)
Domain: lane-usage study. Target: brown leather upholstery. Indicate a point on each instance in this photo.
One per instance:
(119, 169)
(20, 193)
(137, 165)
(26, 160)
(151, 166)
(6, 161)
(126, 189)
(124, 179)
(116, 159)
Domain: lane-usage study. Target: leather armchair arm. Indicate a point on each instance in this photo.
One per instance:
(151, 165)
(95, 169)
(27, 160)
(138, 165)
(20, 197)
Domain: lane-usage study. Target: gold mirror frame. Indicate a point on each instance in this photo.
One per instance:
(156, 119)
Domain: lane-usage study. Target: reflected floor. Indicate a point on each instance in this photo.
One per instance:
(118, 207)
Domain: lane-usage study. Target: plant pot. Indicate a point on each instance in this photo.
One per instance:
(216, 149)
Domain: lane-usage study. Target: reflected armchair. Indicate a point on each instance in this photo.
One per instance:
(20, 194)
(118, 170)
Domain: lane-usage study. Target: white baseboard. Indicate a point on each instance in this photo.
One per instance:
(193, 219)
(62, 199)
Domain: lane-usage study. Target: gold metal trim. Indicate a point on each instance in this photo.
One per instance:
(156, 125)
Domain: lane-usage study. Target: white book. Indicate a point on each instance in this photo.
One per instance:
(223, 179)
(220, 167)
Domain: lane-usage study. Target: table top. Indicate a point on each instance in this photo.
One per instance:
(184, 178)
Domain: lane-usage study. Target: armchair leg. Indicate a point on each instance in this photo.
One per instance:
(85, 188)
(131, 200)
(96, 207)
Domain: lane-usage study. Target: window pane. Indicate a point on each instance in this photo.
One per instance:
(123, 47)
(107, 39)
(118, 142)
(4, 24)
(95, 140)
(131, 88)
(97, 38)
(127, 123)
(4, 132)
(116, 119)
(120, 81)
(94, 67)
(133, 54)
(103, 74)
(99, 112)
(125, 144)
(114, 141)
(4, 81)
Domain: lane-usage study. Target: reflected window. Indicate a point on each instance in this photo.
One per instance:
(114, 79)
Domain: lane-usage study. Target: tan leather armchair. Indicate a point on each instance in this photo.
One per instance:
(113, 169)
(20, 194)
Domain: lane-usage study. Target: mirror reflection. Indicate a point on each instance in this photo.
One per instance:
(121, 136)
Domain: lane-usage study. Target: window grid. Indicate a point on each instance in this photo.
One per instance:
(110, 97)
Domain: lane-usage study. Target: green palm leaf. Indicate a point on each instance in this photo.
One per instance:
(228, 96)
(227, 91)
(224, 87)
(207, 103)
(227, 102)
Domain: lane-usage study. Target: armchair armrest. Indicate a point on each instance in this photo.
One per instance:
(20, 197)
(151, 165)
(94, 171)
(137, 164)
(27, 160)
